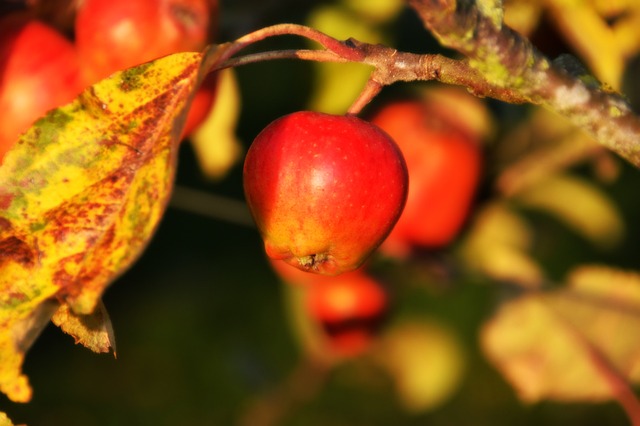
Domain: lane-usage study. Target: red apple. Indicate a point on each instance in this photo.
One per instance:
(38, 72)
(113, 35)
(444, 162)
(324, 190)
(348, 308)
(201, 104)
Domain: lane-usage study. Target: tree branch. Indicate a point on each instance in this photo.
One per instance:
(509, 61)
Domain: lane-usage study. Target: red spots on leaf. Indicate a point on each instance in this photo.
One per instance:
(16, 250)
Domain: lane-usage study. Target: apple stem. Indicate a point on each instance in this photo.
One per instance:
(369, 92)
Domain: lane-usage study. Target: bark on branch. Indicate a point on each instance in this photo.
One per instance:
(510, 63)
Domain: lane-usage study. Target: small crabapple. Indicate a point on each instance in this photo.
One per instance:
(324, 190)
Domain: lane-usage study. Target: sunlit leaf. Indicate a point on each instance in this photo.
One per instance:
(338, 85)
(626, 31)
(568, 344)
(425, 361)
(522, 15)
(215, 142)
(580, 205)
(82, 193)
(590, 35)
(376, 10)
(498, 246)
(4, 420)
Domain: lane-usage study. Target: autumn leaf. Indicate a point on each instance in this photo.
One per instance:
(589, 34)
(93, 331)
(591, 211)
(214, 142)
(498, 245)
(4, 420)
(425, 360)
(81, 194)
(576, 343)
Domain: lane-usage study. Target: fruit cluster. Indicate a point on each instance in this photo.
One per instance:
(43, 66)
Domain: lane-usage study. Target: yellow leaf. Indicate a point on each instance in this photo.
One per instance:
(497, 245)
(215, 143)
(580, 205)
(565, 345)
(590, 35)
(425, 360)
(338, 85)
(4, 420)
(626, 31)
(82, 192)
(378, 11)
(522, 15)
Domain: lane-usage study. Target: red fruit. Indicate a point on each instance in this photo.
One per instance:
(324, 190)
(201, 104)
(444, 165)
(349, 308)
(38, 72)
(113, 35)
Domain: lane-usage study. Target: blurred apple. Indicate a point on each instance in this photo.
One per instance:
(38, 71)
(444, 160)
(113, 35)
(201, 104)
(349, 309)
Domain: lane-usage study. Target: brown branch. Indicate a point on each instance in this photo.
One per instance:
(509, 61)
(392, 65)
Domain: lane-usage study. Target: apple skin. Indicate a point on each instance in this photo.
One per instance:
(113, 35)
(349, 309)
(444, 161)
(202, 103)
(324, 190)
(39, 71)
